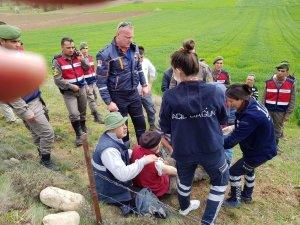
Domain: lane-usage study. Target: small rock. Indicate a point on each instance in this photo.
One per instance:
(14, 160)
(61, 199)
(63, 218)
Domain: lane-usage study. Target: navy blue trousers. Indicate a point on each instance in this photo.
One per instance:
(217, 168)
(129, 102)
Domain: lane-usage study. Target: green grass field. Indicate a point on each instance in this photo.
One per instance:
(253, 36)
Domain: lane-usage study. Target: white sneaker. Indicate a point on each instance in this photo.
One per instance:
(194, 204)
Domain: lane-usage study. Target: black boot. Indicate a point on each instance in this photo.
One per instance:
(97, 118)
(77, 127)
(83, 127)
(235, 199)
(46, 162)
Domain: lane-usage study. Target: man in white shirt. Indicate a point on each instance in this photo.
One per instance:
(147, 102)
(111, 163)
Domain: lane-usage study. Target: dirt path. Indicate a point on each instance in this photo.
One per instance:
(72, 15)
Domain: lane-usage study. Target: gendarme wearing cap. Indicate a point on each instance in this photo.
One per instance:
(8, 32)
(218, 58)
(283, 65)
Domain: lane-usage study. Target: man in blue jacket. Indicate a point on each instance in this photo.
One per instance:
(119, 72)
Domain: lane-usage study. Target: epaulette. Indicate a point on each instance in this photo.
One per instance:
(57, 56)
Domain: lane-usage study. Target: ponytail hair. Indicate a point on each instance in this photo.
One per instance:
(239, 91)
(186, 59)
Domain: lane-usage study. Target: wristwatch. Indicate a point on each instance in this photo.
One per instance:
(145, 85)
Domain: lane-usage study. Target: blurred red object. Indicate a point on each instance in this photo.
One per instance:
(73, 2)
(20, 73)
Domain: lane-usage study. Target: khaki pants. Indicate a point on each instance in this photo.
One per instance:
(7, 112)
(76, 104)
(41, 130)
(277, 118)
(91, 98)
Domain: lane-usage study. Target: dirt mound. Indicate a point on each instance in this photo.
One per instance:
(68, 16)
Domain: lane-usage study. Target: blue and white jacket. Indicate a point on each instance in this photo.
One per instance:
(117, 71)
(255, 133)
(192, 113)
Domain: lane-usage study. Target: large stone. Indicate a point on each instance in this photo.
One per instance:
(61, 199)
(63, 218)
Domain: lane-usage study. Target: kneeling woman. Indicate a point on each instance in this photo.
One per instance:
(255, 133)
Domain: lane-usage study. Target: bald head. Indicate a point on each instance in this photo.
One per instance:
(124, 35)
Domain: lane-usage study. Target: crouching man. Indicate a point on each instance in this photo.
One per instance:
(111, 163)
(155, 175)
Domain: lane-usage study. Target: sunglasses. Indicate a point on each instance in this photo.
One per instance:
(125, 24)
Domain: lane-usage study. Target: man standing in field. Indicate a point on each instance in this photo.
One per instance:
(119, 72)
(218, 73)
(68, 71)
(91, 88)
(280, 98)
(250, 81)
(6, 109)
(30, 108)
(147, 101)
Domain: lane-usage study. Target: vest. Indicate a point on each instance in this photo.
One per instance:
(109, 192)
(148, 177)
(71, 71)
(222, 77)
(89, 75)
(277, 99)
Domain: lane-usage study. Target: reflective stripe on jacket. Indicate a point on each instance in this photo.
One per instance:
(222, 77)
(90, 76)
(72, 71)
(277, 99)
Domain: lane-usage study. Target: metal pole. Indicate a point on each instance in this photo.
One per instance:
(91, 177)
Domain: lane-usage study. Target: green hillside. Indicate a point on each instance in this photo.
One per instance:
(252, 36)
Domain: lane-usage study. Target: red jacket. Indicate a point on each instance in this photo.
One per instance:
(278, 99)
(149, 177)
(73, 73)
(89, 75)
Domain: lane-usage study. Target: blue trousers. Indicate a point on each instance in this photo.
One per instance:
(129, 102)
(236, 171)
(149, 107)
(217, 169)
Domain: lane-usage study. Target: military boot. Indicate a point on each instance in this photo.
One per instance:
(46, 162)
(83, 127)
(247, 194)
(97, 118)
(235, 199)
(77, 128)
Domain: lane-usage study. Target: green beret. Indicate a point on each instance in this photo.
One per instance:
(83, 45)
(218, 58)
(8, 32)
(283, 65)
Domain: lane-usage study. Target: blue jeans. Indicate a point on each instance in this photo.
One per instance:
(149, 107)
(217, 169)
(228, 153)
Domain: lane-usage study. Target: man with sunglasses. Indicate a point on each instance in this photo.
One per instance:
(279, 98)
(119, 72)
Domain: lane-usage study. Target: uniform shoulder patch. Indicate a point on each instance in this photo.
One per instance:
(55, 71)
